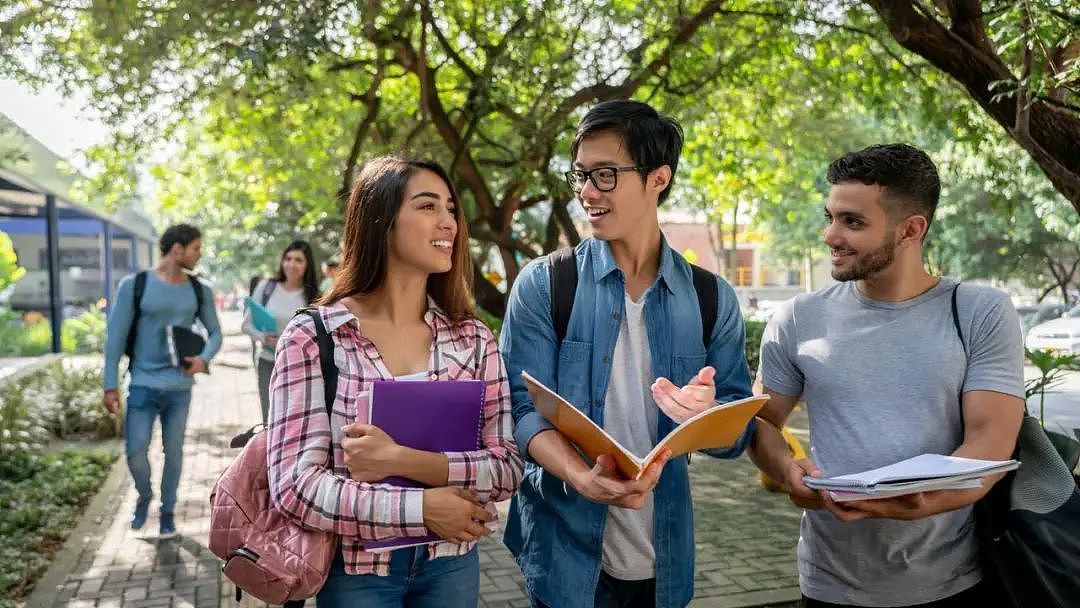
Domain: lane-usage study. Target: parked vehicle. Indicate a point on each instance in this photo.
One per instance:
(1030, 316)
(1061, 336)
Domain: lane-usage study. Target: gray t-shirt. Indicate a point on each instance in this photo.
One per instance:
(630, 417)
(881, 382)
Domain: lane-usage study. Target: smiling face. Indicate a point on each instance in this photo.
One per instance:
(861, 237)
(293, 265)
(629, 209)
(425, 229)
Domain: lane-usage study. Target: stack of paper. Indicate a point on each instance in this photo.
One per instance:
(919, 474)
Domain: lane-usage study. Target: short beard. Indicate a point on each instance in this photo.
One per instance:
(867, 265)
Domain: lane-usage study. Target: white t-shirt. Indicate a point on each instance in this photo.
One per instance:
(282, 304)
(630, 417)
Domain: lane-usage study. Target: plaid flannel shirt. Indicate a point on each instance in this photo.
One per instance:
(300, 434)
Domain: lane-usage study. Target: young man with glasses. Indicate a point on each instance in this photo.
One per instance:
(583, 536)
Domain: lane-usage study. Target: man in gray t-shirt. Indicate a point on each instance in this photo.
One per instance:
(878, 362)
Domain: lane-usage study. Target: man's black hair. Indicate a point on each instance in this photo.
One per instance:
(652, 139)
(907, 175)
(182, 234)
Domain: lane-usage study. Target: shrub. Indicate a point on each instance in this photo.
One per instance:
(754, 331)
(36, 515)
(68, 402)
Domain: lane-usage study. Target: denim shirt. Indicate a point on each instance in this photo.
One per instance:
(555, 533)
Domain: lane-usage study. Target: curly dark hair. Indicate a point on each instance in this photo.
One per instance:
(907, 175)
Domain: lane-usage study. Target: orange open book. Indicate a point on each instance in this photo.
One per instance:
(716, 427)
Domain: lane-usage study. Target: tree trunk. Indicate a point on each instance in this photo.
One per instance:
(966, 53)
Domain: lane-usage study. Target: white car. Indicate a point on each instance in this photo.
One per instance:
(1061, 336)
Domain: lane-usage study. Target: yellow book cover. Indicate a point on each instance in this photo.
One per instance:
(717, 427)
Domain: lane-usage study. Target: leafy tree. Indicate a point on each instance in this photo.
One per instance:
(10, 271)
(1017, 60)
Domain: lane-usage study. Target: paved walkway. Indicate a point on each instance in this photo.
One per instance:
(745, 536)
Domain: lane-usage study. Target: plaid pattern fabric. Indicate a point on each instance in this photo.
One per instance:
(299, 433)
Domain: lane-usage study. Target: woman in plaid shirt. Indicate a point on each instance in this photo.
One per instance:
(400, 308)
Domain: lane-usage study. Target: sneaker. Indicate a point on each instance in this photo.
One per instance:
(138, 516)
(168, 526)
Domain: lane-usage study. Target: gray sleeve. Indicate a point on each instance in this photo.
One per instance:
(778, 370)
(996, 347)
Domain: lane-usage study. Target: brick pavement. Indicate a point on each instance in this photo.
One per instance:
(745, 549)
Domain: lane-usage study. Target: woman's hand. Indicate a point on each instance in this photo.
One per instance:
(455, 514)
(370, 454)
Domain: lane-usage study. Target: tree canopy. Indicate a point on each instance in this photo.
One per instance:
(253, 117)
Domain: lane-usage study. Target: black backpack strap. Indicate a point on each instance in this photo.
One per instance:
(197, 286)
(708, 301)
(326, 357)
(956, 320)
(562, 272)
(136, 312)
(268, 290)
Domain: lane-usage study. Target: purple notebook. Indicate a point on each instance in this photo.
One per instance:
(431, 416)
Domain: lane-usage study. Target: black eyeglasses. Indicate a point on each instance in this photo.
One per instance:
(604, 178)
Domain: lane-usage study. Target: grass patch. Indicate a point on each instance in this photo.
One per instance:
(38, 511)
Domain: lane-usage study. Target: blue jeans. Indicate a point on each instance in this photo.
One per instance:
(144, 404)
(414, 582)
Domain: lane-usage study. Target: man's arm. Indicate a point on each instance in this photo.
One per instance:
(209, 320)
(769, 451)
(117, 328)
(528, 343)
(991, 424)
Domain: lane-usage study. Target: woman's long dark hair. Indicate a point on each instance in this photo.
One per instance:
(311, 281)
(373, 206)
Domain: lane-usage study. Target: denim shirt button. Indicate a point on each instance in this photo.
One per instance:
(615, 316)
(607, 360)
(596, 403)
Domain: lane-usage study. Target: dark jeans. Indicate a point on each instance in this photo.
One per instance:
(616, 593)
(979, 596)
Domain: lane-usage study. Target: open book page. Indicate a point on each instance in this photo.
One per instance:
(925, 486)
(716, 427)
(919, 468)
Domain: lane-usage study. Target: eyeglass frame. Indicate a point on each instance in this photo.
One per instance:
(571, 177)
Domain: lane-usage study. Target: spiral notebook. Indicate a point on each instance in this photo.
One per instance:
(446, 416)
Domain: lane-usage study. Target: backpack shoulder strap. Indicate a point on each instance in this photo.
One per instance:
(326, 357)
(562, 272)
(708, 301)
(136, 312)
(956, 320)
(197, 287)
(269, 285)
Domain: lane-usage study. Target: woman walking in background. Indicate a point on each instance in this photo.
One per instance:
(294, 286)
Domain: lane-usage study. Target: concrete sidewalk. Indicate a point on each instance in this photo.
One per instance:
(745, 536)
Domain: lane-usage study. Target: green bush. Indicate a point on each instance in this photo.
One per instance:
(754, 330)
(69, 403)
(82, 334)
(37, 514)
(54, 403)
(22, 437)
(18, 339)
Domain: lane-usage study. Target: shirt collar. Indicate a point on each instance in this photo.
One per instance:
(336, 315)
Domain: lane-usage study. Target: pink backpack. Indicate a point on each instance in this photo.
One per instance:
(268, 554)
